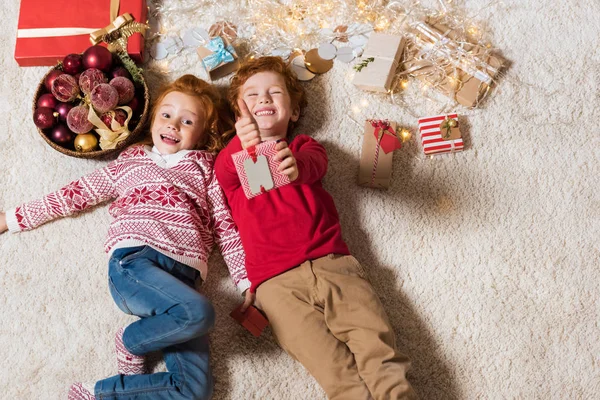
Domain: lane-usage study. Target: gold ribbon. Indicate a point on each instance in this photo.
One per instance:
(110, 137)
(116, 33)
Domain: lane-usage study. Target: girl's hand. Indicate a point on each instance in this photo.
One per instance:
(246, 127)
(249, 300)
(3, 226)
(288, 164)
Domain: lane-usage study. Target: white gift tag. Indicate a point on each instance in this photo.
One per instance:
(258, 174)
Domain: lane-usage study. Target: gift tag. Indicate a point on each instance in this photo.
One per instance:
(258, 174)
(449, 129)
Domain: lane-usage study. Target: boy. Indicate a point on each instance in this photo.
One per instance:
(321, 308)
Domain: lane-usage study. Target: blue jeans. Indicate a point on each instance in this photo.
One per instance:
(174, 318)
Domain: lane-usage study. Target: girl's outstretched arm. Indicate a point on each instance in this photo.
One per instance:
(3, 226)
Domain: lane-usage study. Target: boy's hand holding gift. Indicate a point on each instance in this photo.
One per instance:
(288, 164)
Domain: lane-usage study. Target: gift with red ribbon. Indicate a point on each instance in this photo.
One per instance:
(380, 141)
(257, 169)
(440, 134)
(50, 30)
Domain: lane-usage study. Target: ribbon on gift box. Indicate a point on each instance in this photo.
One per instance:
(221, 53)
(115, 34)
(387, 140)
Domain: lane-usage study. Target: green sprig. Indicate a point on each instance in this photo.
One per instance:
(364, 63)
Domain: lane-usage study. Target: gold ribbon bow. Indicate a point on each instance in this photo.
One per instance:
(119, 30)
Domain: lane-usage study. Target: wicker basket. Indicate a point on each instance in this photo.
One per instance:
(134, 136)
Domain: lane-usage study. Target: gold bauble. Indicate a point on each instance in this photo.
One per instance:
(86, 142)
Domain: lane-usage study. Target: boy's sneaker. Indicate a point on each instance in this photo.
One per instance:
(127, 363)
(82, 391)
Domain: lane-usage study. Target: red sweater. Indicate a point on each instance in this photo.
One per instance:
(284, 227)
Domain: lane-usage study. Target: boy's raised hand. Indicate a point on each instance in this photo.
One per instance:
(246, 127)
(3, 226)
(288, 164)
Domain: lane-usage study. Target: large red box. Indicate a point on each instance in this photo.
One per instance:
(85, 16)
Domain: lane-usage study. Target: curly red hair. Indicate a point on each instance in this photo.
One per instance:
(218, 125)
(253, 66)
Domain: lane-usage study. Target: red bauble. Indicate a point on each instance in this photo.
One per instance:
(120, 71)
(72, 64)
(77, 120)
(104, 97)
(65, 88)
(63, 110)
(52, 75)
(125, 89)
(97, 57)
(90, 78)
(44, 118)
(47, 100)
(61, 135)
(134, 104)
(119, 115)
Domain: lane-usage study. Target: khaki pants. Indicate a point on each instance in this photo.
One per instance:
(326, 315)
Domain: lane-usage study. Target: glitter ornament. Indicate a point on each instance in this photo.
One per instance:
(125, 89)
(72, 64)
(65, 88)
(85, 142)
(104, 97)
(47, 100)
(52, 75)
(44, 117)
(61, 135)
(120, 71)
(63, 110)
(77, 120)
(90, 78)
(97, 57)
(119, 116)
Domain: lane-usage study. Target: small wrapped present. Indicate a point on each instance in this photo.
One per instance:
(440, 134)
(251, 319)
(460, 70)
(379, 143)
(219, 58)
(50, 30)
(257, 168)
(379, 62)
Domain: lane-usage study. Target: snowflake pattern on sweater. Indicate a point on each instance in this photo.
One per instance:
(179, 210)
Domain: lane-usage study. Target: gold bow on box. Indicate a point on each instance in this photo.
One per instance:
(116, 33)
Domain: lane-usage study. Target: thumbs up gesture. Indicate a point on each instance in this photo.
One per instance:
(246, 127)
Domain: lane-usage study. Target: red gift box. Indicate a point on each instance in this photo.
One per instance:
(251, 319)
(257, 168)
(50, 30)
(432, 139)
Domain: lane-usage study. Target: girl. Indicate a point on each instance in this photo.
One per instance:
(168, 212)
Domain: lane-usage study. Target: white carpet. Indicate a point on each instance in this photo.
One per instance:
(487, 261)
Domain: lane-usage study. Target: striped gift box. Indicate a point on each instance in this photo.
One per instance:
(431, 136)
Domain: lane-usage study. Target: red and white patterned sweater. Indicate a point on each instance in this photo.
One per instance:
(176, 207)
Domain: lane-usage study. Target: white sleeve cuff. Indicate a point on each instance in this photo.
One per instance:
(11, 221)
(243, 284)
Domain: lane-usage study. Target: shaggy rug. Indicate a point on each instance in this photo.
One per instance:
(487, 261)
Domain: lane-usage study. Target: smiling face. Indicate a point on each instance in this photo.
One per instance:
(178, 123)
(267, 98)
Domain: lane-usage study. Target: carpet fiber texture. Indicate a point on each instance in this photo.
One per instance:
(487, 261)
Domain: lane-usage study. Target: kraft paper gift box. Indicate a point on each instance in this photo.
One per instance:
(380, 141)
(438, 136)
(219, 58)
(50, 30)
(252, 319)
(385, 51)
(257, 169)
(468, 69)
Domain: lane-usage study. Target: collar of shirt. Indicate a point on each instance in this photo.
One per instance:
(166, 160)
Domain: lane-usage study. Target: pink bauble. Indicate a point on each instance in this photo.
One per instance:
(134, 104)
(47, 100)
(44, 118)
(125, 89)
(61, 135)
(97, 57)
(65, 88)
(63, 110)
(90, 78)
(77, 120)
(72, 64)
(104, 97)
(52, 75)
(119, 115)
(120, 71)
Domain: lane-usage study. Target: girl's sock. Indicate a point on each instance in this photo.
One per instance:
(82, 391)
(127, 363)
